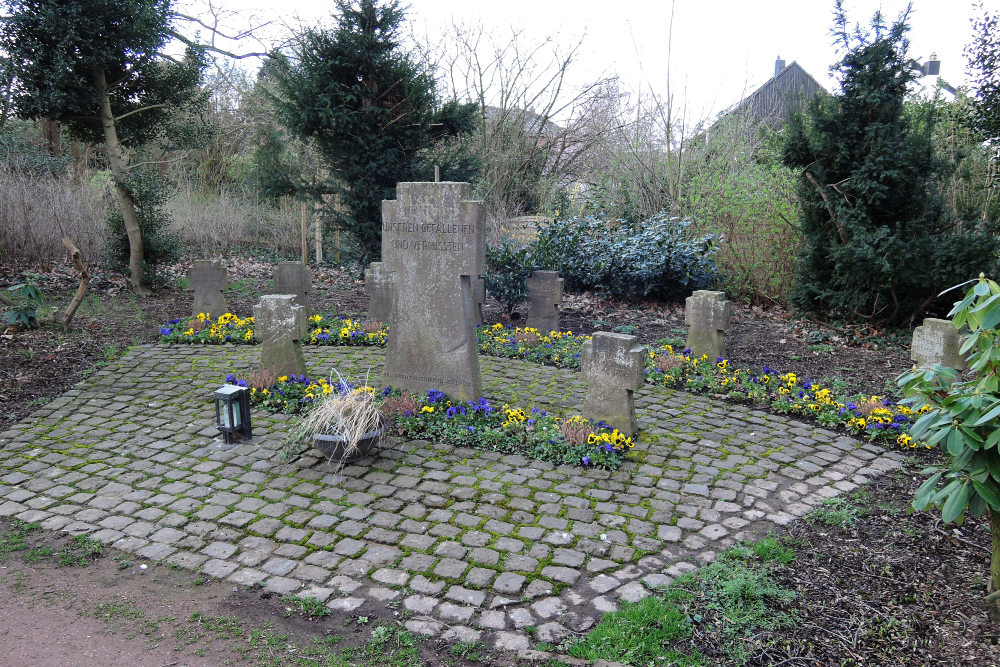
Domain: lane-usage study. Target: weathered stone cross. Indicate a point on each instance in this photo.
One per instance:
(280, 324)
(613, 367)
(294, 278)
(545, 294)
(207, 279)
(707, 315)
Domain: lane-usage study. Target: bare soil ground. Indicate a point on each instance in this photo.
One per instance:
(892, 587)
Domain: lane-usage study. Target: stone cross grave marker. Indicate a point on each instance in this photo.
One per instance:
(433, 245)
(208, 279)
(613, 366)
(280, 324)
(378, 284)
(545, 293)
(707, 315)
(294, 278)
(937, 341)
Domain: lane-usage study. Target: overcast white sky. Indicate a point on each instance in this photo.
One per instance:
(721, 50)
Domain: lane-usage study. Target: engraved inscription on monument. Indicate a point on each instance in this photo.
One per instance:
(432, 244)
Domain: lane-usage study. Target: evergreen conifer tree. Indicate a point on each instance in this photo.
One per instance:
(879, 245)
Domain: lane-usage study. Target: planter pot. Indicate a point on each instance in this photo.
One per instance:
(333, 446)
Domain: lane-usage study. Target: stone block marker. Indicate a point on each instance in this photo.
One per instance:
(545, 293)
(294, 278)
(280, 324)
(433, 245)
(937, 341)
(613, 366)
(706, 314)
(378, 284)
(207, 279)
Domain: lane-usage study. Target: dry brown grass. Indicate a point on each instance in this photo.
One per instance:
(214, 224)
(37, 211)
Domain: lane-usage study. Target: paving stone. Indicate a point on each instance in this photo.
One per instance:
(454, 613)
(509, 583)
(510, 641)
(347, 604)
(424, 626)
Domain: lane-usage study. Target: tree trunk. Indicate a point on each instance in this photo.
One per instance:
(995, 558)
(114, 150)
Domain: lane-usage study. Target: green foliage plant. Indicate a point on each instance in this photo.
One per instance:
(963, 419)
(653, 258)
(27, 299)
(160, 246)
(368, 107)
(508, 268)
(736, 188)
(879, 245)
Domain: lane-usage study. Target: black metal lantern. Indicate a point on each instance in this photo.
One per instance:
(232, 413)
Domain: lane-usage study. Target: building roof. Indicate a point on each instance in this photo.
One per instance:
(790, 88)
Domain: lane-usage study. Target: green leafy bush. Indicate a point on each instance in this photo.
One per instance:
(654, 258)
(507, 270)
(963, 418)
(159, 245)
(27, 299)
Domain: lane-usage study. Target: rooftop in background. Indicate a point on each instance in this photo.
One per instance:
(790, 88)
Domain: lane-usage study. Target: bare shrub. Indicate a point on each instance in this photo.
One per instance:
(261, 378)
(668, 362)
(36, 211)
(399, 406)
(219, 223)
(576, 430)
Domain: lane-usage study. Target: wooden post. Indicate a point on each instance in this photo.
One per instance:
(305, 245)
(318, 224)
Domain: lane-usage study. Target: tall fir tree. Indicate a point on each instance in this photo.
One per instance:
(369, 108)
(879, 245)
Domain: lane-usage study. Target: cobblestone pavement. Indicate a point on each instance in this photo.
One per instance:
(462, 543)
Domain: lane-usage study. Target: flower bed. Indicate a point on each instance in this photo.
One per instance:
(555, 348)
(534, 433)
(228, 328)
(875, 418)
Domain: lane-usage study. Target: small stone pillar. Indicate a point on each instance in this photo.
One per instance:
(207, 279)
(706, 314)
(545, 293)
(937, 342)
(280, 324)
(613, 367)
(294, 278)
(378, 284)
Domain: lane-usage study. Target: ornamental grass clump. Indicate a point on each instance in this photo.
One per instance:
(963, 419)
(351, 412)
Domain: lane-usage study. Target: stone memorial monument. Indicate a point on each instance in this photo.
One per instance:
(280, 324)
(378, 284)
(207, 279)
(937, 341)
(294, 278)
(706, 314)
(613, 366)
(433, 245)
(545, 293)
